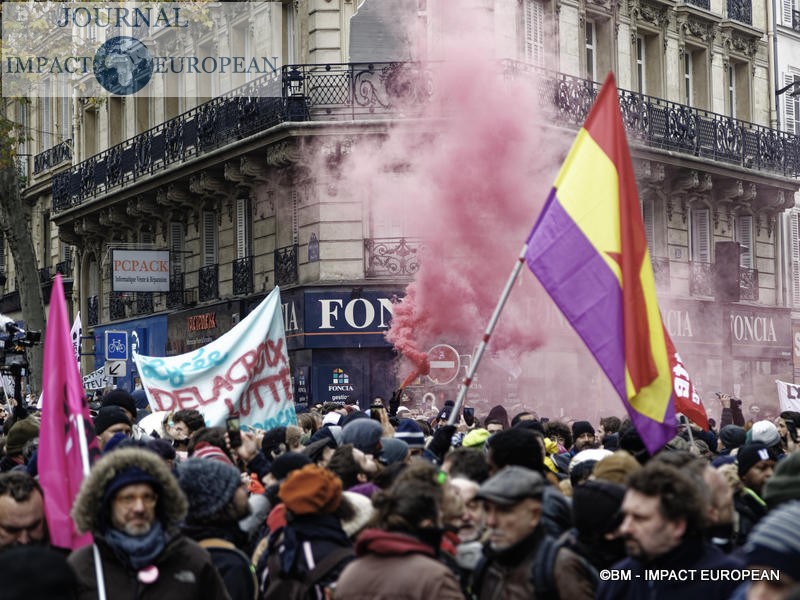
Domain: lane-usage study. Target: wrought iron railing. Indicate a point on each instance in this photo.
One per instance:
(741, 10)
(400, 90)
(391, 257)
(706, 4)
(701, 278)
(64, 268)
(242, 275)
(51, 157)
(286, 265)
(175, 294)
(116, 306)
(208, 282)
(93, 308)
(661, 271)
(748, 284)
(44, 274)
(143, 304)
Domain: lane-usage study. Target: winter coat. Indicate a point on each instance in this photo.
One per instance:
(689, 554)
(185, 569)
(508, 574)
(397, 566)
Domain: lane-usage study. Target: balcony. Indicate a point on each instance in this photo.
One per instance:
(175, 294)
(143, 303)
(44, 274)
(391, 257)
(93, 307)
(704, 4)
(208, 278)
(52, 157)
(116, 306)
(243, 276)
(748, 284)
(286, 265)
(64, 268)
(701, 279)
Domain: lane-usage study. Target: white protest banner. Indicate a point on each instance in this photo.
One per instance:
(75, 333)
(244, 372)
(788, 395)
(96, 380)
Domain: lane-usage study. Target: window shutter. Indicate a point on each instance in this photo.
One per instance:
(649, 226)
(243, 228)
(701, 235)
(786, 10)
(789, 116)
(66, 252)
(145, 237)
(795, 253)
(176, 241)
(534, 32)
(209, 238)
(744, 235)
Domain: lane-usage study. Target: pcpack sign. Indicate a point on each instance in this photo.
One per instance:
(155, 49)
(140, 270)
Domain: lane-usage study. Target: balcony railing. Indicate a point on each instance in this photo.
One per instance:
(93, 306)
(52, 156)
(208, 282)
(175, 294)
(116, 306)
(401, 90)
(143, 304)
(748, 284)
(705, 4)
(741, 10)
(701, 279)
(243, 275)
(391, 257)
(44, 274)
(64, 268)
(286, 265)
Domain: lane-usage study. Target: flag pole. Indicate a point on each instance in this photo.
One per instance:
(98, 565)
(467, 381)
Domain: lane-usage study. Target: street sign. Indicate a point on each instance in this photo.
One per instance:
(445, 364)
(116, 345)
(116, 368)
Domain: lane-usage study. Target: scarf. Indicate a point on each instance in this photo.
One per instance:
(310, 528)
(140, 550)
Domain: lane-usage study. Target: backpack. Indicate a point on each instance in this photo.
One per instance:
(283, 586)
(542, 570)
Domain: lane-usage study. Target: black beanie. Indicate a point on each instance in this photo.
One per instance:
(784, 485)
(108, 416)
(122, 399)
(286, 463)
(732, 436)
(581, 427)
(749, 455)
(596, 507)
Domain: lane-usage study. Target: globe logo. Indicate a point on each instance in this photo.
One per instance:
(123, 65)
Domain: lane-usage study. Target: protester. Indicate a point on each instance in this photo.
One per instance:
(755, 467)
(132, 505)
(217, 497)
(663, 529)
(400, 554)
(111, 420)
(512, 501)
(597, 516)
(22, 518)
(784, 485)
(183, 424)
(36, 573)
(22, 433)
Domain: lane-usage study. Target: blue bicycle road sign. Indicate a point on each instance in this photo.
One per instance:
(116, 345)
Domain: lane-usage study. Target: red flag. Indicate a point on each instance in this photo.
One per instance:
(687, 400)
(64, 455)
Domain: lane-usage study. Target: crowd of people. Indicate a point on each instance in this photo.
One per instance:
(390, 502)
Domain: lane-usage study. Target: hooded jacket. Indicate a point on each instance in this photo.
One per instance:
(184, 568)
(395, 565)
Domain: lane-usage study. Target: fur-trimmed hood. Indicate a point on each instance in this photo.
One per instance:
(89, 512)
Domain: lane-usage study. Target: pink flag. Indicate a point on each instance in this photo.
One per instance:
(61, 466)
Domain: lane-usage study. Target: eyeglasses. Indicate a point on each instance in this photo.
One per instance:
(130, 500)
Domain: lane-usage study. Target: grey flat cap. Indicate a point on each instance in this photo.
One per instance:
(510, 485)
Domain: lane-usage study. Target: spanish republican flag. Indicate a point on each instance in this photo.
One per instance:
(589, 251)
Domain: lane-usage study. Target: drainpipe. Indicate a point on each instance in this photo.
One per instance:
(772, 41)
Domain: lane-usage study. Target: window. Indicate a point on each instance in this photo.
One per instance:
(2, 254)
(142, 107)
(744, 235)
(209, 238)
(732, 91)
(116, 121)
(700, 238)
(591, 51)
(688, 72)
(794, 230)
(244, 241)
(45, 120)
(640, 62)
(791, 106)
(241, 43)
(25, 122)
(649, 224)
(177, 235)
(534, 32)
(787, 6)
(45, 239)
(89, 132)
(65, 113)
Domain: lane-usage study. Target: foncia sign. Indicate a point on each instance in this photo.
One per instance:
(97, 48)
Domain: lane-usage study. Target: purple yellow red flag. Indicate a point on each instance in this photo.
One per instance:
(589, 251)
(61, 465)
